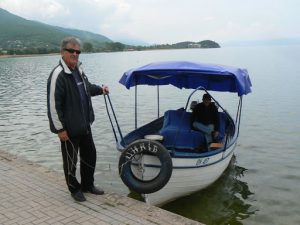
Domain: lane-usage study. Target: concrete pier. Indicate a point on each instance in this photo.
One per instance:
(33, 194)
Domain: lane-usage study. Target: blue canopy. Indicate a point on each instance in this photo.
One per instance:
(183, 74)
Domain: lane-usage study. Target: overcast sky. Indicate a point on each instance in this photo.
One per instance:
(168, 21)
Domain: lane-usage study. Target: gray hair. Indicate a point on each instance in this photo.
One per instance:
(67, 40)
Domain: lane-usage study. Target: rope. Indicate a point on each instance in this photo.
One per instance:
(115, 117)
(110, 120)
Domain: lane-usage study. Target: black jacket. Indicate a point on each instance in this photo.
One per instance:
(65, 110)
(206, 115)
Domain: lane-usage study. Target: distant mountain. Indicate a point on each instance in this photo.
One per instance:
(181, 45)
(21, 35)
(133, 41)
(200, 44)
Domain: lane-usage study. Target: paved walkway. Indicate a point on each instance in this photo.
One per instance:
(32, 194)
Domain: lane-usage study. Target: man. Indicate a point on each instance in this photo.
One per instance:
(70, 114)
(205, 118)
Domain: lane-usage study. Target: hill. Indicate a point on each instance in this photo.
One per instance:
(21, 36)
(200, 44)
(180, 45)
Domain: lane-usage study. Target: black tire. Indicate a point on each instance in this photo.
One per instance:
(151, 148)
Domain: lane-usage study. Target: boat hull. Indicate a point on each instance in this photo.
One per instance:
(189, 175)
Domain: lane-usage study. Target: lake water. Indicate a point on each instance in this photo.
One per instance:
(262, 184)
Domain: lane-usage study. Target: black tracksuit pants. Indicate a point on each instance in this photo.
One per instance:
(85, 146)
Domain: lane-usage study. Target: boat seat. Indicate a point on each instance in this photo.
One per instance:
(177, 131)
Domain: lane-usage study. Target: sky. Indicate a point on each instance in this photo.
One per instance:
(168, 21)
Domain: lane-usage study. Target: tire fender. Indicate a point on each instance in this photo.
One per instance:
(149, 147)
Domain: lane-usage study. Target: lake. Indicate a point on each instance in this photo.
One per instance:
(262, 183)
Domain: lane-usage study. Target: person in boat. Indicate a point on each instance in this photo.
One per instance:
(71, 114)
(205, 118)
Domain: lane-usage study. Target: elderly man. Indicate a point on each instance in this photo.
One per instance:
(71, 114)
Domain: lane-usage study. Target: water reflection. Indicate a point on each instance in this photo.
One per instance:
(227, 201)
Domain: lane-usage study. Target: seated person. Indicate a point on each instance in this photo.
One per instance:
(205, 118)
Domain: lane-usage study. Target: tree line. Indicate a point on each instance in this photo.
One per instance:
(88, 47)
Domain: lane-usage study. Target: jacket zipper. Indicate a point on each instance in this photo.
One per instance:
(82, 108)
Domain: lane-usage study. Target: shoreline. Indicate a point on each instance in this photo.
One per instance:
(50, 54)
(23, 56)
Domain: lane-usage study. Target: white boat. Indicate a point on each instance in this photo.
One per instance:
(162, 160)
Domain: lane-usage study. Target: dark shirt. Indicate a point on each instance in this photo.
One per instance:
(206, 114)
(82, 92)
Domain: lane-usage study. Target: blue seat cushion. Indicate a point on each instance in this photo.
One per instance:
(177, 131)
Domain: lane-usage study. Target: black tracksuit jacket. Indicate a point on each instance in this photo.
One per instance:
(65, 110)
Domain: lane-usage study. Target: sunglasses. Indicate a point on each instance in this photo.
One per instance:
(71, 50)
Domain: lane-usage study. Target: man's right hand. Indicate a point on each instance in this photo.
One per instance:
(63, 136)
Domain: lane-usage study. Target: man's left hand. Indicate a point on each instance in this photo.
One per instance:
(216, 133)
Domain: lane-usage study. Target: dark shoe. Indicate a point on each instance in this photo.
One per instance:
(78, 196)
(94, 190)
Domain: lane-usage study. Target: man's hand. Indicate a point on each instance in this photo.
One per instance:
(216, 133)
(105, 89)
(63, 136)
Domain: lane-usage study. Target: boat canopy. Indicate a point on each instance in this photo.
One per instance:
(190, 75)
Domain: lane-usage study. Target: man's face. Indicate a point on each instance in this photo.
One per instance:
(70, 55)
(206, 101)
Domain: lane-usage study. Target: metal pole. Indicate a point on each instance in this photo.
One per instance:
(135, 107)
(158, 101)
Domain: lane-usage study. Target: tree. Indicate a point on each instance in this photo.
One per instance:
(115, 46)
(87, 47)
